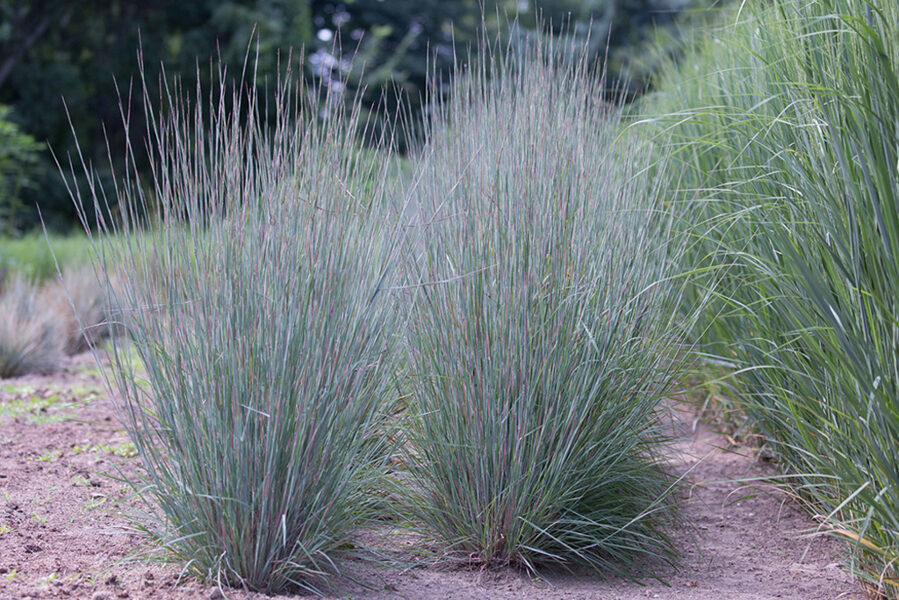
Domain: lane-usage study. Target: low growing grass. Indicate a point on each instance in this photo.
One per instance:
(30, 338)
(256, 297)
(785, 121)
(41, 323)
(83, 306)
(51, 404)
(31, 257)
(542, 331)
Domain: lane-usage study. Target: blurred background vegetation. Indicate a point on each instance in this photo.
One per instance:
(62, 60)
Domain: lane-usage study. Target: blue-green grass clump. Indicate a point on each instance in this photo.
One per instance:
(254, 271)
(542, 334)
(31, 339)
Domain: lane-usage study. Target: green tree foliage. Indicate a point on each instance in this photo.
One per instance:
(381, 50)
(57, 49)
(626, 35)
(396, 47)
(17, 159)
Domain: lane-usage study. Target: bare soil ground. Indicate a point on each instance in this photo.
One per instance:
(62, 536)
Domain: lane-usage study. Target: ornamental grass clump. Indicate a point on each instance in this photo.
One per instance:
(82, 306)
(542, 332)
(786, 121)
(253, 273)
(31, 340)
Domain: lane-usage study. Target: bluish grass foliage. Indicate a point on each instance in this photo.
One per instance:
(31, 340)
(784, 124)
(43, 320)
(83, 307)
(254, 270)
(542, 332)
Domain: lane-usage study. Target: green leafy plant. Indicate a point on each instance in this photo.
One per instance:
(542, 335)
(18, 156)
(784, 123)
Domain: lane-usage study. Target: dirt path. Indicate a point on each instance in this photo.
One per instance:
(60, 536)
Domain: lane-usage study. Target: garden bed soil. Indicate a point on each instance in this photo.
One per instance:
(62, 536)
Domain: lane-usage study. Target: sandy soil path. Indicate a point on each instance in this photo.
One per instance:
(60, 536)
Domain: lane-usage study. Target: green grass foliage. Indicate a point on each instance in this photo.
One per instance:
(783, 126)
(31, 257)
(538, 282)
(541, 327)
(544, 296)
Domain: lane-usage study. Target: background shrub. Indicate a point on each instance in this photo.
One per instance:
(18, 157)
